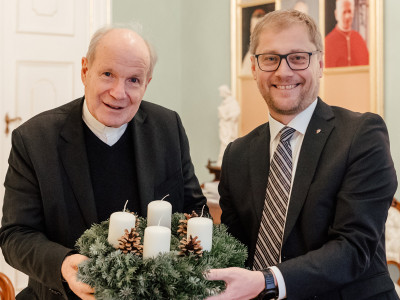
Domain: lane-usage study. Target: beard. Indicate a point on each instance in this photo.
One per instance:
(305, 98)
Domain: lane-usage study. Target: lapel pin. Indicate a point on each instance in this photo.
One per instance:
(318, 131)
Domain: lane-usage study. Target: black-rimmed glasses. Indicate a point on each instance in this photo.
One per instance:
(296, 61)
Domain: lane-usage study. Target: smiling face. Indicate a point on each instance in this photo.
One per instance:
(285, 91)
(116, 80)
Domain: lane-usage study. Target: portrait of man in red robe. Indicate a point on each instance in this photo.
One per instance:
(344, 46)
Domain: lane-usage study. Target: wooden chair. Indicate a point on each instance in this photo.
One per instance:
(6, 288)
(392, 242)
(394, 268)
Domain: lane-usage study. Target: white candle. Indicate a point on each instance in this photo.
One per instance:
(157, 239)
(119, 221)
(202, 228)
(159, 213)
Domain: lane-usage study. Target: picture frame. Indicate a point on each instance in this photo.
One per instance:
(361, 86)
(243, 85)
(249, 13)
(358, 88)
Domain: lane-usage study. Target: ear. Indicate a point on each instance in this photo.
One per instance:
(321, 66)
(148, 81)
(253, 66)
(84, 70)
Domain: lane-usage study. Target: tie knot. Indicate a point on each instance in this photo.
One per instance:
(286, 133)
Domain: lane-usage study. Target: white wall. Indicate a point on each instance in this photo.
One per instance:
(392, 79)
(161, 24)
(192, 39)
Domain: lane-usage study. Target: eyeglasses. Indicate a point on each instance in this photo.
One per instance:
(296, 61)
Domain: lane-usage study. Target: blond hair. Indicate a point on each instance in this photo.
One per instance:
(283, 19)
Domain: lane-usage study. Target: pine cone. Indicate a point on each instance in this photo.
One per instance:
(191, 246)
(130, 242)
(182, 228)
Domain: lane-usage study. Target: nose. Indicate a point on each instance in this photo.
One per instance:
(284, 68)
(117, 91)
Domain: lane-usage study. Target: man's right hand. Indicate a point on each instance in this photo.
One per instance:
(241, 284)
(69, 271)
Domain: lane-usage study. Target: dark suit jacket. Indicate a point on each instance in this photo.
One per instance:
(333, 245)
(49, 200)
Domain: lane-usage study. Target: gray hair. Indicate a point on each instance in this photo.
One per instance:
(101, 32)
(283, 19)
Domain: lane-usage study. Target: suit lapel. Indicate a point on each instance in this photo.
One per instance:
(73, 155)
(259, 166)
(144, 156)
(314, 141)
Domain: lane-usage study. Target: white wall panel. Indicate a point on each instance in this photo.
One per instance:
(46, 16)
(42, 86)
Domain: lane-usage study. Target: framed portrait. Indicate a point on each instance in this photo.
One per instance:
(310, 7)
(251, 12)
(358, 86)
(245, 14)
(346, 33)
(353, 41)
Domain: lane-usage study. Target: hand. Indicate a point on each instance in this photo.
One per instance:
(69, 270)
(241, 284)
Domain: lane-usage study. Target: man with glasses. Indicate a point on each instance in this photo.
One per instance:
(309, 191)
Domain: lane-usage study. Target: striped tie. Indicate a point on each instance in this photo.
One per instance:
(270, 236)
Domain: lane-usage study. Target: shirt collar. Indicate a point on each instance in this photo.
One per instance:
(299, 123)
(108, 135)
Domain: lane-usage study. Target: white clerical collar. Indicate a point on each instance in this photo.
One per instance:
(300, 122)
(108, 135)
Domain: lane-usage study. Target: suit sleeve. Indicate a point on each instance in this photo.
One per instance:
(23, 233)
(193, 196)
(229, 216)
(355, 236)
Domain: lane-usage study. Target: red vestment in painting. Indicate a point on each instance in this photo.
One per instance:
(344, 49)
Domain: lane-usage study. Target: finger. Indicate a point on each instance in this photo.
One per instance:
(215, 274)
(87, 289)
(80, 258)
(88, 297)
(217, 297)
(214, 298)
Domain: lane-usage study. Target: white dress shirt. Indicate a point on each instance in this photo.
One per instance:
(108, 135)
(300, 124)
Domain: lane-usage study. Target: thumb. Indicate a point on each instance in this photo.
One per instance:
(215, 274)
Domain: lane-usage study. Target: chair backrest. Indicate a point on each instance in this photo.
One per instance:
(396, 204)
(394, 270)
(6, 288)
(393, 241)
(393, 232)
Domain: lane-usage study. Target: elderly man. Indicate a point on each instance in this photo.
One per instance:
(314, 223)
(344, 46)
(74, 165)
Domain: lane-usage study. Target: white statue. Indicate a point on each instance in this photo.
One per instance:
(228, 114)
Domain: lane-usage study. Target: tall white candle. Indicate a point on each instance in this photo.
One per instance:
(202, 228)
(119, 221)
(159, 213)
(157, 239)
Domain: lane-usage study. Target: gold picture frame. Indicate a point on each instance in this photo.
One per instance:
(359, 88)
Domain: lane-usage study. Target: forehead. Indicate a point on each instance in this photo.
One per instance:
(284, 40)
(344, 4)
(122, 48)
